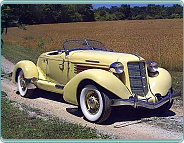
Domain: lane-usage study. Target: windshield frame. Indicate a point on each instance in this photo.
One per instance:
(87, 41)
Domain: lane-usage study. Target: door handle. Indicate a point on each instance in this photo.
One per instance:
(45, 61)
(61, 66)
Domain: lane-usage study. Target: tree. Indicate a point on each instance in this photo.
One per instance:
(20, 14)
(7, 18)
(86, 11)
(126, 10)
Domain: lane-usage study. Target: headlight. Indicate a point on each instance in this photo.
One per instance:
(116, 67)
(152, 68)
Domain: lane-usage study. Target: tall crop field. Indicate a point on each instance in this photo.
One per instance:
(159, 40)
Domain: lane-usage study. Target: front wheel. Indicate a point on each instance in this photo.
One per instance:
(22, 86)
(165, 108)
(94, 104)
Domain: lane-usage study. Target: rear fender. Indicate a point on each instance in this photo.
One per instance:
(29, 69)
(103, 78)
(161, 83)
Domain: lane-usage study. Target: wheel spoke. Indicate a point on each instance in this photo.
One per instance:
(92, 102)
(22, 82)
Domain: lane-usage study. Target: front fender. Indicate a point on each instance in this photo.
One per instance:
(29, 68)
(105, 79)
(161, 83)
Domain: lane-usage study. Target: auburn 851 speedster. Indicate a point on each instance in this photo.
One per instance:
(88, 75)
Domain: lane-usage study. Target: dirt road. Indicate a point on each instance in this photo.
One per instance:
(124, 122)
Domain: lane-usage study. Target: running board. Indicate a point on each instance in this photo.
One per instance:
(50, 86)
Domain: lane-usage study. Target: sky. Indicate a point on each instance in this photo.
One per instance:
(95, 6)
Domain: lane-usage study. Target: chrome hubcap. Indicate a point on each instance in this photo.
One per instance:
(22, 82)
(92, 102)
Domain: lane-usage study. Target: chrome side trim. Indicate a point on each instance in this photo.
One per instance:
(90, 61)
(139, 103)
(59, 86)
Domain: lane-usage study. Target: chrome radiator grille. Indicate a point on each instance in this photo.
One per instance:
(138, 78)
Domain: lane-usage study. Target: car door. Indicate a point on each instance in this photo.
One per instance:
(57, 69)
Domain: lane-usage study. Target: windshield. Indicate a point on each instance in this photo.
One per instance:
(71, 45)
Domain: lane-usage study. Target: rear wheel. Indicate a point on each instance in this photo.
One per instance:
(94, 104)
(22, 86)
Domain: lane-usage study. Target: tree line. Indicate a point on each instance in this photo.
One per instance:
(28, 14)
(151, 11)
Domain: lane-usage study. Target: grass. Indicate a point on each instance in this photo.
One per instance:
(17, 124)
(177, 85)
(177, 79)
(165, 123)
(6, 75)
(159, 40)
(17, 53)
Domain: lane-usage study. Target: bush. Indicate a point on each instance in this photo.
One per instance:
(140, 17)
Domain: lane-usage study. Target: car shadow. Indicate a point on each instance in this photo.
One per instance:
(75, 111)
(118, 114)
(38, 93)
(124, 114)
(129, 113)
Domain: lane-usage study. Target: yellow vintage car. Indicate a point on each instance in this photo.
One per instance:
(88, 75)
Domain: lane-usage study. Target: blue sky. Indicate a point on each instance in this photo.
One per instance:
(132, 5)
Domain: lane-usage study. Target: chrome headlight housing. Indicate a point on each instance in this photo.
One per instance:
(152, 68)
(116, 67)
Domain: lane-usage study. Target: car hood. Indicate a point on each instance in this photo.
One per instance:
(101, 57)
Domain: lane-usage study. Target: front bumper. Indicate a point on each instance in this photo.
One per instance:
(139, 103)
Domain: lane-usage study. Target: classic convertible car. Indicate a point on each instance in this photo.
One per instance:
(88, 75)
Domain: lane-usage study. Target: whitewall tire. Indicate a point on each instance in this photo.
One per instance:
(94, 104)
(22, 86)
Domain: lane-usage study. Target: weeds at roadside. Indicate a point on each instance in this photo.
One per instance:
(165, 123)
(18, 53)
(27, 37)
(18, 123)
(6, 75)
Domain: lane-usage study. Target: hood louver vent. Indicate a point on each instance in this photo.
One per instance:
(80, 68)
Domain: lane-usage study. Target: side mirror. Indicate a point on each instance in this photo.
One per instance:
(111, 50)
